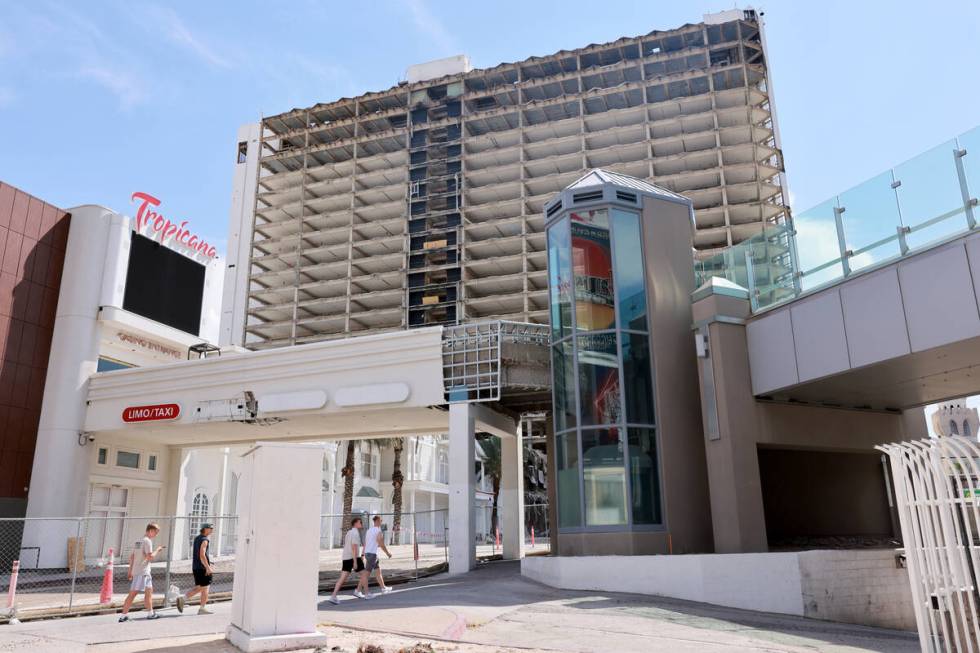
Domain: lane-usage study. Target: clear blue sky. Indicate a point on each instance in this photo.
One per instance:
(100, 99)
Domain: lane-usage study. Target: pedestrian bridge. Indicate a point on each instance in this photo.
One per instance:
(383, 385)
(460, 381)
(869, 299)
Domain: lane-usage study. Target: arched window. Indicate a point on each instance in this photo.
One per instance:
(952, 428)
(199, 512)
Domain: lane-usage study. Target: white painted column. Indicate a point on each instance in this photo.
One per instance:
(462, 488)
(59, 481)
(512, 495)
(274, 597)
(222, 501)
(411, 511)
(181, 462)
(432, 516)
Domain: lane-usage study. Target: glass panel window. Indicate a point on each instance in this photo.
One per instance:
(443, 467)
(564, 379)
(598, 374)
(592, 265)
(644, 476)
(636, 378)
(628, 266)
(569, 491)
(108, 364)
(871, 214)
(820, 260)
(970, 141)
(103, 455)
(367, 463)
(128, 459)
(604, 477)
(151, 463)
(930, 189)
(560, 279)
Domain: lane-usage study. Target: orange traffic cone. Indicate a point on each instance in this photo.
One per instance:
(105, 596)
(12, 591)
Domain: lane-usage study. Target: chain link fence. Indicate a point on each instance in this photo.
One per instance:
(536, 529)
(537, 533)
(51, 567)
(418, 542)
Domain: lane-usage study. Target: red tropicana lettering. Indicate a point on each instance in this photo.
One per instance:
(146, 200)
(154, 221)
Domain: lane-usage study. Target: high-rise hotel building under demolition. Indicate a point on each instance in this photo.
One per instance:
(423, 204)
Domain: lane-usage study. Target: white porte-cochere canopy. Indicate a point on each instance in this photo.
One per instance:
(375, 386)
(378, 385)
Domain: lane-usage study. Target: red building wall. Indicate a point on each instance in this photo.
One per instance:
(33, 236)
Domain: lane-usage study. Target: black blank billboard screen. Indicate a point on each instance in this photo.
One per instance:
(164, 286)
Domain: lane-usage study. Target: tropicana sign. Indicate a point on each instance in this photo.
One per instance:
(153, 224)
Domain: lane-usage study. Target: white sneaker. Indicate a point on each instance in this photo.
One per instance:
(334, 600)
(386, 590)
(358, 594)
(368, 596)
(203, 610)
(180, 603)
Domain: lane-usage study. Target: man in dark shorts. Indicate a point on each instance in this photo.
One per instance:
(201, 566)
(352, 561)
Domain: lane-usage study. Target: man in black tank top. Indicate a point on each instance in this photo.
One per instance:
(201, 566)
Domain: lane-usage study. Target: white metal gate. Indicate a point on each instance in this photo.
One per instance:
(937, 488)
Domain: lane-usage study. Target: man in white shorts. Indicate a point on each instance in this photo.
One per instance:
(374, 539)
(139, 576)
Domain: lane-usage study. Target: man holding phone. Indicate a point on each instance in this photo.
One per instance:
(140, 579)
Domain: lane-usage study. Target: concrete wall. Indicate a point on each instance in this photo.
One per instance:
(861, 587)
(33, 236)
(240, 218)
(667, 233)
(744, 424)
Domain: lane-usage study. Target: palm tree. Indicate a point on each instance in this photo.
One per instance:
(492, 467)
(397, 480)
(348, 473)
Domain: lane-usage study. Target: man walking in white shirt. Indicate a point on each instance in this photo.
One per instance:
(375, 539)
(139, 573)
(351, 561)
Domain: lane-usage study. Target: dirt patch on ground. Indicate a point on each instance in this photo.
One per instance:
(339, 640)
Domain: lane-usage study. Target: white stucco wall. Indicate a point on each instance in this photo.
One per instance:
(768, 582)
(852, 586)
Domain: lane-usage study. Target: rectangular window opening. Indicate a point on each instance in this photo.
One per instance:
(127, 459)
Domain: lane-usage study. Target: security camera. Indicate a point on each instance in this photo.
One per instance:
(91, 438)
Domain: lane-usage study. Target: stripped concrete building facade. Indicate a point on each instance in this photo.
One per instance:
(423, 204)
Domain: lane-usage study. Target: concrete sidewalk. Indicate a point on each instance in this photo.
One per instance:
(490, 609)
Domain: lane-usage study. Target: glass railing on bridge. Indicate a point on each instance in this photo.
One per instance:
(914, 206)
